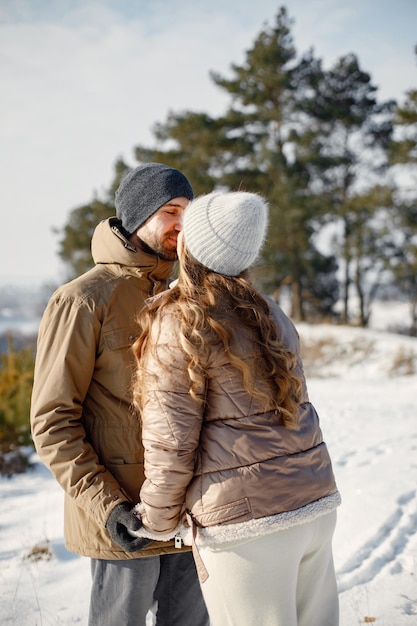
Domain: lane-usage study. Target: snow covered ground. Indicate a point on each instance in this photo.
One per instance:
(364, 385)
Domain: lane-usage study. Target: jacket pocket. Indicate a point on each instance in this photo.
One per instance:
(130, 477)
(228, 513)
(119, 338)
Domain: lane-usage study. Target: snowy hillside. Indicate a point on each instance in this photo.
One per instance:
(364, 384)
(331, 351)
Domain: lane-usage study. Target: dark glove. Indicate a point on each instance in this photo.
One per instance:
(119, 522)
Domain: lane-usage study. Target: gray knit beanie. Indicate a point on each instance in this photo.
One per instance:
(145, 189)
(225, 231)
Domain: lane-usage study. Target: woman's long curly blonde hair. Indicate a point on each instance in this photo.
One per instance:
(208, 304)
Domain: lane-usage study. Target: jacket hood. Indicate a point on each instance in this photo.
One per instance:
(109, 245)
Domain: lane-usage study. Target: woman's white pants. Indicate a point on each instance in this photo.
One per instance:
(282, 579)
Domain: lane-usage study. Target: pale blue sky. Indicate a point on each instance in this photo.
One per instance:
(83, 82)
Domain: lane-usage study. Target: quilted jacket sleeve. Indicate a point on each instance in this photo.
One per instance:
(65, 360)
(171, 424)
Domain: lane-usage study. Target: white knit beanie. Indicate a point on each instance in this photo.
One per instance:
(225, 231)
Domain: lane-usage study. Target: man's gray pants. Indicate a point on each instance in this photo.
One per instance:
(123, 592)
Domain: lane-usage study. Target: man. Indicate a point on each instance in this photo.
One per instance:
(83, 425)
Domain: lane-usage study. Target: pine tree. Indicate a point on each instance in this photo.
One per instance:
(75, 242)
(254, 146)
(403, 154)
(350, 140)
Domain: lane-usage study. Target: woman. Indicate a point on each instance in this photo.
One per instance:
(233, 446)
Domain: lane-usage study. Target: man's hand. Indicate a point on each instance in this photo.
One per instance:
(120, 522)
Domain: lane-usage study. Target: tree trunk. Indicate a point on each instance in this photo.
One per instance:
(297, 312)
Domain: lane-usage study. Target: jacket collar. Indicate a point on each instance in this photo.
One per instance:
(109, 245)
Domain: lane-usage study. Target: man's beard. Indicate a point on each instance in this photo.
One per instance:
(155, 246)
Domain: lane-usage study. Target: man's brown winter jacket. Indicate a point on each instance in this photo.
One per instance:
(83, 427)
